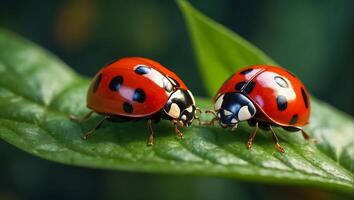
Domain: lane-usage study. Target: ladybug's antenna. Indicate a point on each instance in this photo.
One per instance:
(212, 121)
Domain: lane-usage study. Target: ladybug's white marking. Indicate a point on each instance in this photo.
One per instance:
(281, 81)
(259, 100)
(266, 78)
(218, 103)
(189, 109)
(167, 84)
(174, 111)
(234, 121)
(127, 92)
(184, 118)
(227, 113)
(154, 76)
(244, 113)
(177, 95)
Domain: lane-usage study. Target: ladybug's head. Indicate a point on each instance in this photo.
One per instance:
(232, 108)
(181, 106)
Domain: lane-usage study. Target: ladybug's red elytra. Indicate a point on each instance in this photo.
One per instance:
(139, 88)
(265, 96)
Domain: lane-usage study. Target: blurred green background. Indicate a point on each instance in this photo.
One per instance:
(313, 39)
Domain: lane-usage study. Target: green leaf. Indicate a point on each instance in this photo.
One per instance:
(38, 92)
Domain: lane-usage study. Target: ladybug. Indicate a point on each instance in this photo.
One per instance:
(139, 88)
(265, 96)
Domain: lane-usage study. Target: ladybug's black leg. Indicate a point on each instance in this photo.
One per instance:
(276, 141)
(150, 140)
(252, 136)
(81, 119)
(98, 125)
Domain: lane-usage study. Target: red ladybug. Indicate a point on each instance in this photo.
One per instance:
(265, 96)
(139, 88)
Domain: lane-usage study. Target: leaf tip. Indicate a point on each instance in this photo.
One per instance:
(184, 5)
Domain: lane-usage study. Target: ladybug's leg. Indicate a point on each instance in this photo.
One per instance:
(308, 137)
(197, 117)
(234, 127)
(305, 135)
(150, 140)
(211, 112)
(276, 141)
(212, 121)
(177, 131)
(252, 136)
(98, 125)
(81, 119)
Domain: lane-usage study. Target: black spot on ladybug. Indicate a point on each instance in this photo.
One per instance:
(97, 82)
(294, 119)
(141, 69)
(282, 103)
(128, 108)
(246, 71)
(281, 81)
(240, 85)
(249, 87)
(245, 89)
(139, 95)
(305, 97)
(115, 83)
